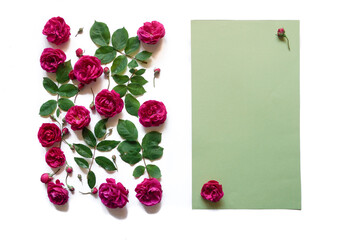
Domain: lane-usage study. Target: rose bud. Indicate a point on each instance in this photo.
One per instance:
(80, 86)
(94, 190)
(79, 52)
(281, 32)
(106, 70)
(71, 188)
(156, 70)
(45, 178)
(72, 75)
(92, 106)
(69, 169)
(65, 131)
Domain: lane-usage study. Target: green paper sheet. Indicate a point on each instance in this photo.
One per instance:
(245, 113)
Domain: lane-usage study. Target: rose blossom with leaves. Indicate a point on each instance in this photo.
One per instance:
(127, 70)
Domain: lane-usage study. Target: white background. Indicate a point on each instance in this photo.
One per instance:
(25, 209)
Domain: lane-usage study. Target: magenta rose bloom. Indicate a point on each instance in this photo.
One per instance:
(151, 32)
(78, 117)
(55, 157)
(57, 194)
(152, 113)
(56, 30)
(212, 191)
(113, 195)
(48, 134)
(87, 69)
(51, 59)
(108, 103)
(149, 192)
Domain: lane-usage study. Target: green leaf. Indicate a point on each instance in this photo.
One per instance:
(143, 56)
(133, 64)
(83, 150)
(105, 163)
(91, 179)
(140, 71)
(136, 89)
(138, 171)
(65, 104)
(107, 145)
(119, 39)
(139, 80)
(100, 128)
(89, 137)
(119, 64)
(133, 44)
(50, 86)
(99, 34)
(67, 90)
(151, 139)
(48, 108)
(132, 105)
(63, 70)
(81, 162)
(130, 151)
(150, 143)
(121, 89)
(153, 153)
(58, 112)
(120, 79)
(106, 54)
(127, 130)
(153, 171)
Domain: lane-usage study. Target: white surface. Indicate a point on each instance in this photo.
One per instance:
(25, 209)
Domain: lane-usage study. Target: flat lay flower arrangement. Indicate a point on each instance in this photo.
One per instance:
(126, 57)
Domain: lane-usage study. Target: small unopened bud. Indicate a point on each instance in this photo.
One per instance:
(80, 31)
(72, 75)
(65, 131)
(106, 71)
(45, 178)
(69, 169)
(71, 146)
(92, 106)
(114, 158)
(79, 176)
(281, 32)
(71, 188)
(80, 86)
(156, 70)
(63, 121)
(94, 190)
(79, 52)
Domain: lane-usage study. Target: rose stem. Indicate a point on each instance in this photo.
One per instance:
(288, 43)
(55, 172)
(154, 81)
(92, 93)
(145, 164)
(76, 96)
(92, 160)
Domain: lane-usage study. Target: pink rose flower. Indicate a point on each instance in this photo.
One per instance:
(152, 113)
(113, 195)
(108, 103)
(55, 157)
(78, 117)
(72, 75)
(48, 134)
(79, 52)
(151, 32)
(149, 192)
(87, 69)
(56, 30)
(51, 59)
(57, 193)
(212, 191)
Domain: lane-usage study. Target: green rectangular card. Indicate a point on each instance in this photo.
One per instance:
(245, 113)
